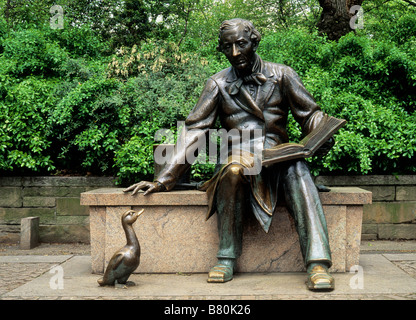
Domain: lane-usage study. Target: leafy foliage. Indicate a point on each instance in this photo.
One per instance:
(24, 131)
(90, 97)
(161, 86)
(371, 84)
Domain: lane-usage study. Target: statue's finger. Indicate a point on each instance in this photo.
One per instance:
(138, 187)
(130, 188)
(150, 190)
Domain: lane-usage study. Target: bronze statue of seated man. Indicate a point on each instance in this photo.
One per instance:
(251, 95)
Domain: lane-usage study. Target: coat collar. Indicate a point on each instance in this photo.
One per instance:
(243, 98)
(258, 66)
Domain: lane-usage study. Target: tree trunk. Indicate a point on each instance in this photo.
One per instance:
(335, 17)
(7, 9)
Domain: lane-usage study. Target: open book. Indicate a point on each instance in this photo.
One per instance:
(307, 146)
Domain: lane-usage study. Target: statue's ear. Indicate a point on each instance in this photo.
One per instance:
(255, 45)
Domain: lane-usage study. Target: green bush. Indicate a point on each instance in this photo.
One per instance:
(66, 105)
(134, 159)
(159, 84)
(295, 48)
(24, 130)
(30, 52)
(81, 41)
(370, 83)
(102, 115)
(86, 124)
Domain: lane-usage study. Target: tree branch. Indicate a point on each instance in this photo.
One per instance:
(410, 2)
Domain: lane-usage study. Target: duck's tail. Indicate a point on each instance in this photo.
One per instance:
(101, 282)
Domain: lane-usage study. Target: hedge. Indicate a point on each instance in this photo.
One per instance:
(68, 106)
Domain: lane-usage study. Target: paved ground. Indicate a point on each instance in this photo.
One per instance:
(387, 271)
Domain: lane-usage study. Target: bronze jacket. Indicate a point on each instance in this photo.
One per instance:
(228, 98)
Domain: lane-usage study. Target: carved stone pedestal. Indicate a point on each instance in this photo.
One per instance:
(175, 237)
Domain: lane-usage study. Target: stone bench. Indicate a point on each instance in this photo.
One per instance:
(175, 237)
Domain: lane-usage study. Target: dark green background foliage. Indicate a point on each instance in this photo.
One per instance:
(89, 98)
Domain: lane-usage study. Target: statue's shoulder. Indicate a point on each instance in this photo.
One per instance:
(278, 69)
(222, 75)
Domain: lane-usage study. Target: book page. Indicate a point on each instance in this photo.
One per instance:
(307, 146)
(283, 150)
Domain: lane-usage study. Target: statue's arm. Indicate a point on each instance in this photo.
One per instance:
(199, 121)
(197, 124)
(303, 106)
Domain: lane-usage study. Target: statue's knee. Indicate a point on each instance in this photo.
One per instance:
(297, 169)
(236, 169)
(235, 174)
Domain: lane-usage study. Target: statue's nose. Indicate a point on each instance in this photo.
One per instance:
(236, 50)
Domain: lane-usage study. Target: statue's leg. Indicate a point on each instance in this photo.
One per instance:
(231, 195)
(304, 204)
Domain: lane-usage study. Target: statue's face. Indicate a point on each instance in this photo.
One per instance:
(238, 48)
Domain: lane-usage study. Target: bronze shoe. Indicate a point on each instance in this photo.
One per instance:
(319, 279)
(220, 273)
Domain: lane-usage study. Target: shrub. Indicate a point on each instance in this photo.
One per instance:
(370, 83)
(29, 52)
(295, 48)
(24, 129)
(86, 124)
(80, 41)
(134, 159)
(159, 85)
(65, 105)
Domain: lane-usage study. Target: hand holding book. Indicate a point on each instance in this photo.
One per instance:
(308, 146)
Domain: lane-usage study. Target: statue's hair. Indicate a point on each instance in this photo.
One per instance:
(254, 35)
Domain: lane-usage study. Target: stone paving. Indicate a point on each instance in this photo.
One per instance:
(407, 266)
(14, 275)
(18, 272)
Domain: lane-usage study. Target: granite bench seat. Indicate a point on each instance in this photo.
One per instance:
(175, 236)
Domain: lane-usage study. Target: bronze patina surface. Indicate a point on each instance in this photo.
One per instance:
(255, 96)
(127, 259)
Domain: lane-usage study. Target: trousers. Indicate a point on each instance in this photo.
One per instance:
(302, 201)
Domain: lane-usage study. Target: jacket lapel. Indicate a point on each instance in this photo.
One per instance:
(243, 98)
(266, 90)
(246, 102)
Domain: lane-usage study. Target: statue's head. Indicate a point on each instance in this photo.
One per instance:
(238, 40)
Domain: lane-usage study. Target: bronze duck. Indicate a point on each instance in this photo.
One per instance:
(127, 259)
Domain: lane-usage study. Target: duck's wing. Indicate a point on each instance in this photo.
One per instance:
(117, 258)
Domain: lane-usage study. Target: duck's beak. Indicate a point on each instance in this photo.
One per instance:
(139, 213)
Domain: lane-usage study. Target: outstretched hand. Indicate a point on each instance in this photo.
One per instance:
(147, 186)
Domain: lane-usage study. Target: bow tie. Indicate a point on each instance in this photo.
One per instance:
(257, 78)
